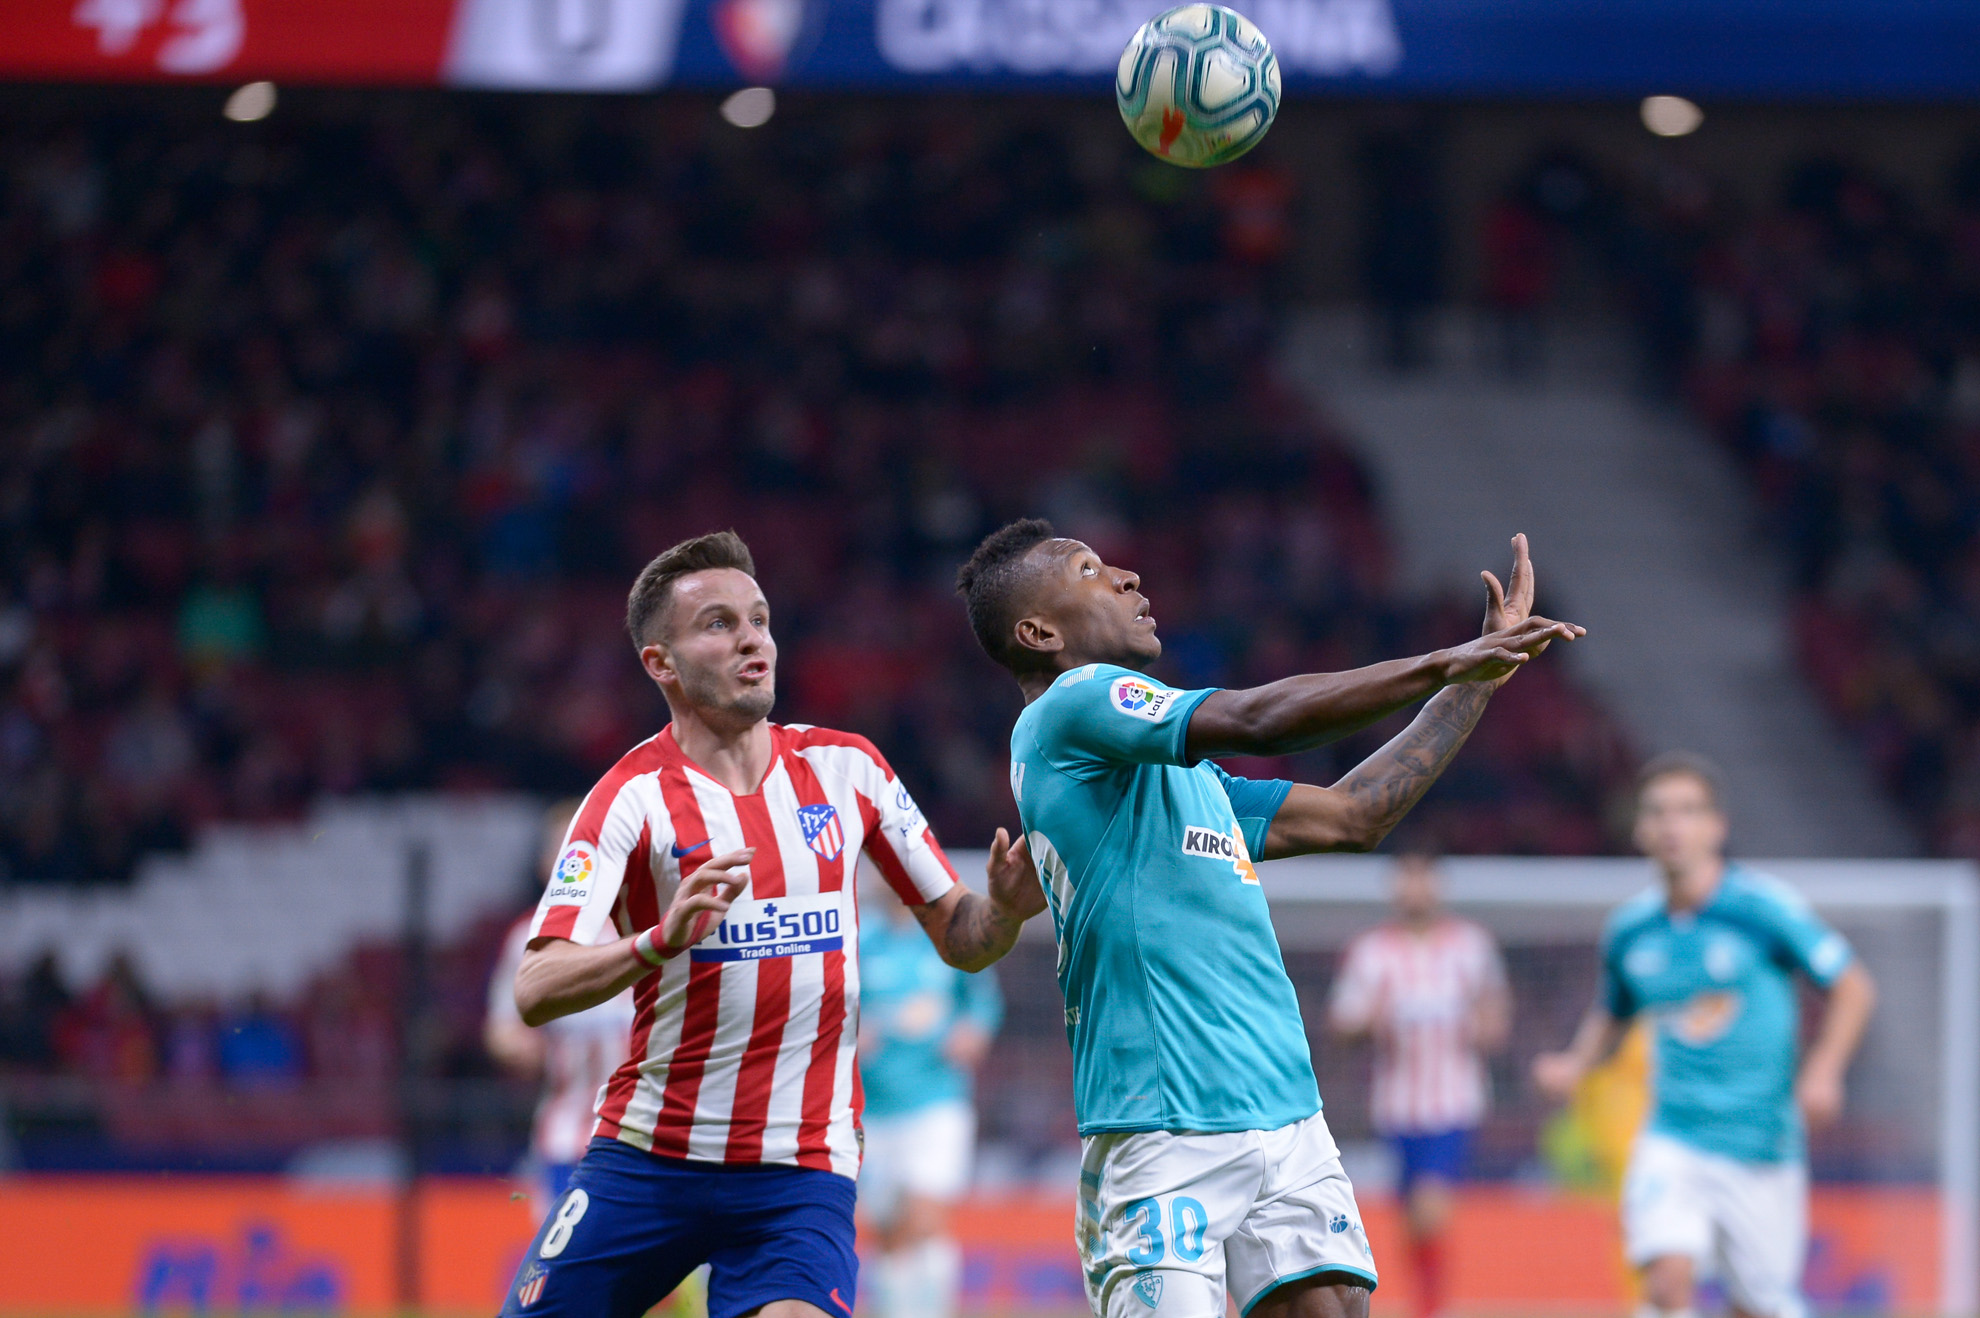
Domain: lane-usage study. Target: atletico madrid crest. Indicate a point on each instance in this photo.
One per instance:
(822, 832)
(530, 1289)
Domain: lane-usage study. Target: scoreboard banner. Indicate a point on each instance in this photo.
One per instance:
(1735, 48)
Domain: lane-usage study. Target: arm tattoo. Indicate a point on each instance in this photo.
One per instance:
(978, 933)
(1392, 780)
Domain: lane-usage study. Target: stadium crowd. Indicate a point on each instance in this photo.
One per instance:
(1831, 339)
(333, 442)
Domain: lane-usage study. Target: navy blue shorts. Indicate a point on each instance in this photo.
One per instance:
(633, 1226)
(1444, 1155)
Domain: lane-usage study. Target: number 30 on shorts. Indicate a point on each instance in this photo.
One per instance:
(569, 1214)
(1188, 1220)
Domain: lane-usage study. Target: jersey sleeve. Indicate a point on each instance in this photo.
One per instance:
(1255, 802)
(1098, 718)
(591, 868)
(898, 837)
(1617, 997)
(1801, 938)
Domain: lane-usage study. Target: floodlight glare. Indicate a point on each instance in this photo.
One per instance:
(255, 100)
(751, 107)
(1671, 116)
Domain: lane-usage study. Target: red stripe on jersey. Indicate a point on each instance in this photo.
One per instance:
(822, 1075)
(810, 791)
(757, 1072)
(643, 758)
(559, 922)
(703, 1008)
(642, 907)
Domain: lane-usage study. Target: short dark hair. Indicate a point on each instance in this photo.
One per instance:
(992, 586)
(1684, 764)
(646, 607)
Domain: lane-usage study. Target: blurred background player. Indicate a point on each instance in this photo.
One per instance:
(1718, 1178)
(575, 1055)
(924, 1029)
(1430, 991)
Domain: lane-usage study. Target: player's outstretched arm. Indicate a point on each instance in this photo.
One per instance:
(1819, 1088)
(558, 977)
(1357, 812)
(1557, 1074)
(1298, 713)
(973, 930)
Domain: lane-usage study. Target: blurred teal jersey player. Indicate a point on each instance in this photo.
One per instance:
(924, 1027)
(1717, 984)
(1206, 1167)
(1718, 1179)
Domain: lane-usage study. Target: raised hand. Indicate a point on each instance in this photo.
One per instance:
(1014, 887)
(704, 898)
(1512, 635)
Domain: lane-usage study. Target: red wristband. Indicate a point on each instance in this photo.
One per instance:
(654, 952)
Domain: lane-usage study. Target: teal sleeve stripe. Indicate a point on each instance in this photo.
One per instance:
(1362, 1273)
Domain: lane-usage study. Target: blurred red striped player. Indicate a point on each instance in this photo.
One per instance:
(1430, 990)
(712, 870)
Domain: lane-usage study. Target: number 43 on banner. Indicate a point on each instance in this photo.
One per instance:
(201, 36)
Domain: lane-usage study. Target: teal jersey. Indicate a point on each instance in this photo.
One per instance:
(1178, 1007)
(910, 1001)
(1718, 986)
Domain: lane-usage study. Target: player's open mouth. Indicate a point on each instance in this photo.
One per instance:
(754, 671)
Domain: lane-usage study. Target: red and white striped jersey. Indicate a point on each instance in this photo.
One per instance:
(1417, 992)
(743, 1047)
(581, 1052)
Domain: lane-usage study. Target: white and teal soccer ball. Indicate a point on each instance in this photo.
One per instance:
(1198, 85)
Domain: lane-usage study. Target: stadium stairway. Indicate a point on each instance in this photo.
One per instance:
(1641, 532)
(264, 908)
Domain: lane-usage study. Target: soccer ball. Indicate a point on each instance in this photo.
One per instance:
(1198, 85)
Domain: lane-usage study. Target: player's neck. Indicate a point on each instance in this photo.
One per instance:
(734, 755)
(1691, 887)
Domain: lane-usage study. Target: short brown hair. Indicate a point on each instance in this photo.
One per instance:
(646, 607)
(1684, 764)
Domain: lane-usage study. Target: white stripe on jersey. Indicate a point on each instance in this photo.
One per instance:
(695, 1086)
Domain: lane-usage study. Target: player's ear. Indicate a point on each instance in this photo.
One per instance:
(1038, 634)
(658, 663)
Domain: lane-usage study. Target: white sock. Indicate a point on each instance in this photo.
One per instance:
(938, 1277)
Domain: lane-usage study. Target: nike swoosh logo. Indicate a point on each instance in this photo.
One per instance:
(841, 1303)
(689, 851)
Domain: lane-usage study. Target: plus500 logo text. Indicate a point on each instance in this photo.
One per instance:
(775, 927)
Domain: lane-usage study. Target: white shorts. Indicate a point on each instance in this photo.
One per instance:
(1746, 1223)
(1171, 1220)
(926, 1153)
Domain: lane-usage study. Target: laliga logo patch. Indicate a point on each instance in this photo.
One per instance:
(571, 880)
(1148, 1288)
(530, 1289)
(758, 35)
(1132, 696)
